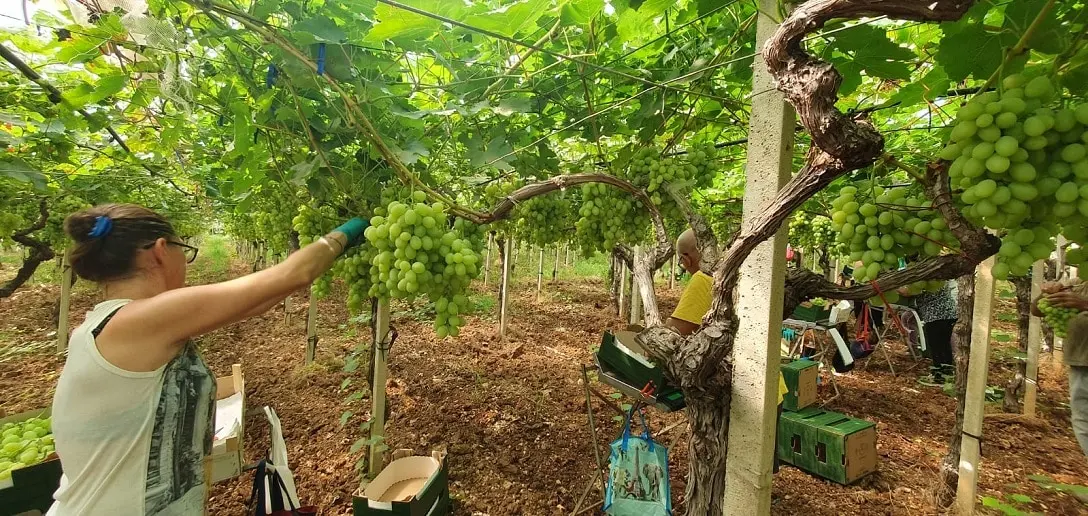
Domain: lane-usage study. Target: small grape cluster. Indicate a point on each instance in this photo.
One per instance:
(545, 219)
(808, 232)
(1056, 317)
(879, 226)
(1022, 166)
(313, 222)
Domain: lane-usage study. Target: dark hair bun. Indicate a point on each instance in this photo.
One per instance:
(106, 249)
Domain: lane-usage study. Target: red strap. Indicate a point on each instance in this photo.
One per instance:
(888, 307)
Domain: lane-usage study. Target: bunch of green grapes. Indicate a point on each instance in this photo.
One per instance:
(475, 234)
(1056, 317)
(494, 192)
(878, 227)
(59, 209)
(609, 216)
(414, 251)
(313, 222)
(1021, 162)
(545, 219)
(808, 232)
(650, 171)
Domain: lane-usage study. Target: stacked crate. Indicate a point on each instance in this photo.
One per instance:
(825, 443)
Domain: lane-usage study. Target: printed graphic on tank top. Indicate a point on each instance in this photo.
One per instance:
(182, 436)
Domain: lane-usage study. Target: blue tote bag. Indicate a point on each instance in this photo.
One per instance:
(638, 474)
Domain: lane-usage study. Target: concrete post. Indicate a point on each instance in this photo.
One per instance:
(970, 448)
(1035, 341)
(752, 424)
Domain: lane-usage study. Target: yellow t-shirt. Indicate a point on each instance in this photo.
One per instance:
(695, 303)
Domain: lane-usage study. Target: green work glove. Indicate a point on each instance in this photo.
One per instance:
(353, 229)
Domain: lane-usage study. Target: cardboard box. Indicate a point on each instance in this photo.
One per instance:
(30, 490)
(828, 444)
(228, 457)
(800, 377)
(408, 486)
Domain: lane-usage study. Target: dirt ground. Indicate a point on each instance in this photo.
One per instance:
(512, 413)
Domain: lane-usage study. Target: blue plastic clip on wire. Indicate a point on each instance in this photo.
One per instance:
(270, 77)
(321, 59)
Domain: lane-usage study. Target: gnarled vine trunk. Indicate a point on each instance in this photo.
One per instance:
(707, 448)
(1015, 389)
(38, 252)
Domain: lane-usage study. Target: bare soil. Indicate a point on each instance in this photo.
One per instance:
(511, 413)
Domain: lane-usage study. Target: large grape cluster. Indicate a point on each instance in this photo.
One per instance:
(1056, 317)
(879, 226)
(654, 173)
(413, 251)
(1021, 164)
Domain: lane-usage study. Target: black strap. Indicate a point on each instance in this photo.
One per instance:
(102, 325)
(256, 496)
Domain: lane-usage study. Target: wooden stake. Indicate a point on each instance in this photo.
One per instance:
(1035, 340)
(622, 285)
(672, 272)
(566, 258)
(555, 267)
(636, 298)
(311, 329)
(754, 390)
(505, 293)
(65, 303)
(377, 396)
(975, 399)
(487, 261)
(539, 274)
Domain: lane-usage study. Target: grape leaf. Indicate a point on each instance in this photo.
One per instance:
(318, 29)
(877, 55)
(345, 417)
(511, 105)
(579, 12)
(1048, 37)
(972, 51)
(20, 170)
(514, 19)
(357, 445)
(1019, 498)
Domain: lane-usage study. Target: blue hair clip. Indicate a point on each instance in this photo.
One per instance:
(102, 226)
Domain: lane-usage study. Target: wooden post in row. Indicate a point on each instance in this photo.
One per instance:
(504, 292)
(1035, 341)
(975, 398)
(636, 297)
(380, 351)
(555, 268)
(622, 285)
(65, 303)
(539, 274)
(311, 329)
(672, 272)
(487, 261)
(566, 258)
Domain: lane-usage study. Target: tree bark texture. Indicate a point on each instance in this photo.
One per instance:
(38, 251)
(1015, 389)
(949, 474)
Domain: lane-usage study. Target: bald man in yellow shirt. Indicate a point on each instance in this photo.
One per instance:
(695, 301)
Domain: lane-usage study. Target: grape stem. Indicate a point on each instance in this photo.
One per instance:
(1018, 49)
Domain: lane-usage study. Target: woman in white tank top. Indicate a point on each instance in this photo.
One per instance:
(134, 407)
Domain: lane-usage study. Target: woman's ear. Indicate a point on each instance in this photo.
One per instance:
(160, 251)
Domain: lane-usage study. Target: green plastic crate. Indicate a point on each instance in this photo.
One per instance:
(800, 377)
(828, 444)
(620, 353)
(811, 313)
